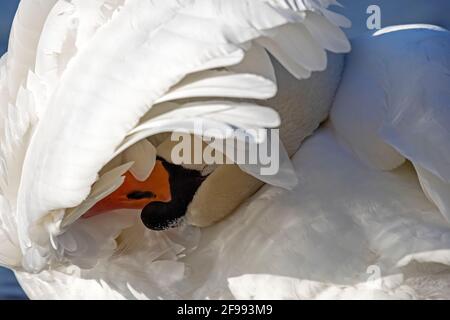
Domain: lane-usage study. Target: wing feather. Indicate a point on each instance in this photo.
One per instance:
(100, 75)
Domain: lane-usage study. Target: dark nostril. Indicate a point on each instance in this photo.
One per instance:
(138, 195)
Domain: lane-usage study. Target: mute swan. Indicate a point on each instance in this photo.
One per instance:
(136, 60)
(315, 241)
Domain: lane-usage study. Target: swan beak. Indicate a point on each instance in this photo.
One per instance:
(135, 194)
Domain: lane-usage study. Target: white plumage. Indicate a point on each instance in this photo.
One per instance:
(103, 78)
(359, 223)
(399, 12)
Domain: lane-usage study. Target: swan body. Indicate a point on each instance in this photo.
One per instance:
(321, 249)
(97, 78)
(391, 13)
(351, 227)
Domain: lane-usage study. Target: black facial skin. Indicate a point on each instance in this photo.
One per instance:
(183, 186)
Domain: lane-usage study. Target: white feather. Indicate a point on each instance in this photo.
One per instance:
(395, 107)
(253, 78)
(436, 190)
(107, 183)
(143, 156)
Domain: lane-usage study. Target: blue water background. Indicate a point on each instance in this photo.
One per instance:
(9, 288)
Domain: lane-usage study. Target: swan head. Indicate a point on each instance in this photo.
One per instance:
(162, 199)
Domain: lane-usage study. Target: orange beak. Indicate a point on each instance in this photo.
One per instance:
(134, 194)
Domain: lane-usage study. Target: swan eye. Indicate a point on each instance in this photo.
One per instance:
(138, 195)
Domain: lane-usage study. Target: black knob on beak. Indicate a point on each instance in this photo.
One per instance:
(184, 183)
